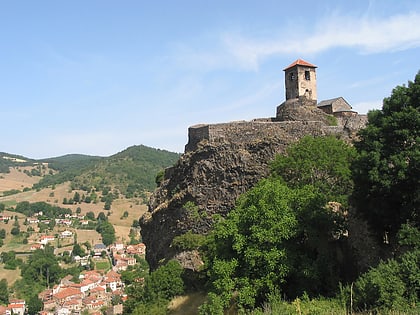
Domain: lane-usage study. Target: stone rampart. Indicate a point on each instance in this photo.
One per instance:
(255, 131)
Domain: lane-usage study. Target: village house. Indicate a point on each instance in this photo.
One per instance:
(32, 220)
(5, 217)
(36, 246)
(45, 239)
(83, 261)
(17, 307)
(66, 234)
(99, 293)
(98, 249)
(122, 261)
(138, 249)
(116, 247)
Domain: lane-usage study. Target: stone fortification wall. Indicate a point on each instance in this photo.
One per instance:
(254, 131)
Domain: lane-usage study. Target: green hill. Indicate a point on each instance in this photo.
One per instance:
(131, 171)
(10, 160)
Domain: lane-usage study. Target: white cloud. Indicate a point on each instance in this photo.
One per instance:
(368, 35)
(364, 107)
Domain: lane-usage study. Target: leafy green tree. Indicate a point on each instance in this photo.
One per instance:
(269, 240)
(4, 292)
(34, 305)
(387, 171)
(101, 217)
(90, 215)
(78, 250)
(323, 162)
(165, 282)
(2, 233)
(42, 267)
(107, 232)
(15, 231)
(76, 197)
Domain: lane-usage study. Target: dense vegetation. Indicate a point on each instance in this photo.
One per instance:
(334, 229)
(8, 160)
(131, 172)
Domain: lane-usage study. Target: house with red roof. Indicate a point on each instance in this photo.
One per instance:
(17, 307)
(67, 294)
(45, 239)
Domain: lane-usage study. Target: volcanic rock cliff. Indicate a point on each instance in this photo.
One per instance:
(222, 161)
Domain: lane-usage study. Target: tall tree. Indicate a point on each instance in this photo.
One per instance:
(4, 292)
(323, 162)
(387, 171)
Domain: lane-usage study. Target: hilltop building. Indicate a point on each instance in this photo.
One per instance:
(300, 80)
(328, 117)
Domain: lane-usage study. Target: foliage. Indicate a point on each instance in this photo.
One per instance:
(323, 162)
(78, 250)
(188, 241)
(303, 305)
(10, 261)
(276, 237)
(107, 232)
(136, 273)
(9, 160)
(132, 171)
(11, 192)
(35, 305)
(160, 286)
(165, 282)
(49, 211)
(387, 170)
(42, 267)
(392, 285)
(4, 292)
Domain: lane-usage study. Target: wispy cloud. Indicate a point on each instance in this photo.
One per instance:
(366, 34)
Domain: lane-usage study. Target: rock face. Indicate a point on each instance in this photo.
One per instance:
(221, 162)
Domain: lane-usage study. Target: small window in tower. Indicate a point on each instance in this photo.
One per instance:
(307, 75)
(292, 76)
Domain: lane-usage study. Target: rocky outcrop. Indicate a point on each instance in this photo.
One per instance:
(220, 163)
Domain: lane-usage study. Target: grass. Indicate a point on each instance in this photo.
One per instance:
(102, 264)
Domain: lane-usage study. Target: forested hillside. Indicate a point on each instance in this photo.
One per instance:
(131, 171)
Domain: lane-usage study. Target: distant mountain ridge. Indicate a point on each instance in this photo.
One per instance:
(130, 171)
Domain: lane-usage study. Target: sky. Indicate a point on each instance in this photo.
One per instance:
(97, 76)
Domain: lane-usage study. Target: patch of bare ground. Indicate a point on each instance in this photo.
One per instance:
(187, 304)
(10, 275)
(17, 179)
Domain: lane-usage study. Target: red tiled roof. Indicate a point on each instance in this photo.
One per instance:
(66, 293)
(300, 62)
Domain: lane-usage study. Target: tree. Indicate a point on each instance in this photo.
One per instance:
(4, 292)
(34, 305)
(323, 162)
(90, 215)
(15, 231)
(165, 282)
(387, 171)
(275, 237)
(78, 250)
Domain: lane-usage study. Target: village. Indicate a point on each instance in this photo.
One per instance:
(99, 286)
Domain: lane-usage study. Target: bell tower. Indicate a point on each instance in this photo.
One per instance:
(300, 80)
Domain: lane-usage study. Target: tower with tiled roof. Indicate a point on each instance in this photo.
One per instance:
(300, 80)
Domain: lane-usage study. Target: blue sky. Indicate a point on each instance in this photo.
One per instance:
(97, 76)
